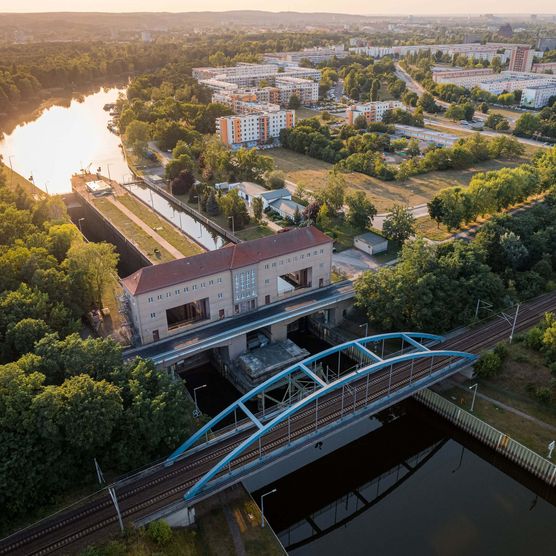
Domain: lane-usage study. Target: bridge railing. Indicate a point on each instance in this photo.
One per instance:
(499, 441)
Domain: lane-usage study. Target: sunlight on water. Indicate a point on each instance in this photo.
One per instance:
(63, 140)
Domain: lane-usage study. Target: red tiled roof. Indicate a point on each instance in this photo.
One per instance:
(230, 257)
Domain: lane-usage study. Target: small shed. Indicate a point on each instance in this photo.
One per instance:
(370, 243)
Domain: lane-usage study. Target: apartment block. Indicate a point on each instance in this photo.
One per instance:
(545, 67)
(539, 96)
(464, 78)
(373, 111)
(315, 55)
(508, 82)
(521, 59)
(254, 130)
(305, 89)
(188, 293)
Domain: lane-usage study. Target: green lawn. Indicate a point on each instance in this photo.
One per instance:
(312, 173)
(13, 179)
(428, 228)
(131, 230)
(162, 227)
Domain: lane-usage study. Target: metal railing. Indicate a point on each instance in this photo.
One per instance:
(498, 441)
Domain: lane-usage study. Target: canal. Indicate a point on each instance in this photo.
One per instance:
(413, 485)
(64, 139)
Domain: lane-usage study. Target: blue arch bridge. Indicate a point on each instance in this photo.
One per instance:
(312, 399)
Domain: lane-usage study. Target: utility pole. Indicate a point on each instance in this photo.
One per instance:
(233, 225)
(514, 323)
(79, 223)
(100, 475)
(366, 325)
(196, 411)
(112, 494)
(12, 169)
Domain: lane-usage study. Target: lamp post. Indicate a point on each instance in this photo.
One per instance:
(233, 225)
(366, 325)
(474, 388)
(262, 504)
(197, 412)
(79, 224)
(108, 168)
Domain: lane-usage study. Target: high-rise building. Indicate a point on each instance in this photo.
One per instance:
(521, 58)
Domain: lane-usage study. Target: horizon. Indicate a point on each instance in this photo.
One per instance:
(403, 8)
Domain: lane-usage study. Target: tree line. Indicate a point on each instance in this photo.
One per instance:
(65, 400)
(436, 287)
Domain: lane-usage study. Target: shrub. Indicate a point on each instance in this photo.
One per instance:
(488, 365)
(533, 338)
(543, 394)
(159, 532)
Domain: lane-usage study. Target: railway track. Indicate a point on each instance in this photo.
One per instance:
(85, 523)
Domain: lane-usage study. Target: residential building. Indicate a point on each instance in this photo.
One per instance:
(314, 55)
(539, 96)
(508, 82)
(467, 78)
(545, 67)
(521, 59)
(306, 90)
(546, 43)
(373, 111)
(287, 208)
(188, 293)
(254, 130)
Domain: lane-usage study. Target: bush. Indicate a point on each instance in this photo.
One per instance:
(159, 532)
(534, 338)
(543, 394)
(501, 350)
(488, 365)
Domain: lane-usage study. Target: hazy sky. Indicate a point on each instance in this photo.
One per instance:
(344, 6)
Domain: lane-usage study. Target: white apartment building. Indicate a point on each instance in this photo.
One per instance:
(508, 82)
(373, 111)
(188, 293)
(426, 135)
(538, 96)
(254, 130)
(314, 55)
(305, 89)
(464, 78)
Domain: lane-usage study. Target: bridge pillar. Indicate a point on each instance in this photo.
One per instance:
(278, 332)
(237, 346)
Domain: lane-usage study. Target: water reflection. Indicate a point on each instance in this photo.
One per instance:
(63, 140)
(408, 488)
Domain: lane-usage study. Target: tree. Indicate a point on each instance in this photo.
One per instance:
(436, 210)
(249, 165)
(276, 180)
(334, 192)
(294, 102)
(361, 210)
(375, 87)
(312, 210)
(182, 183)
(360, 122)
(413, 148)
(138, 134)
(233, 207)
(183, 163)
(399, 225)
(427, 103)
(213, 208)
(23, 335)
(95, 264)
(257, 206)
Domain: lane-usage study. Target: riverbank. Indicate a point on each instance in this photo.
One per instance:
(14, 180)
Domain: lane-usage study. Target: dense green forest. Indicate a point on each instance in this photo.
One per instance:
(65, 400)
(436, 287)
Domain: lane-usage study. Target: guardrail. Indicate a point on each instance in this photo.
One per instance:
(498, 441)
(191, 211)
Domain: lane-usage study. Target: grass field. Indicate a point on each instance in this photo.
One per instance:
(312, 173)
(131, 230)
(13, 179)
(163, 228)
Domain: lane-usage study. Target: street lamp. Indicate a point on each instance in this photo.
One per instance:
(79, 224)
(197, 412)
(474, 388)
(366, 325)
(11, 168)
(262, 504)
(233, 225)
(108, 168)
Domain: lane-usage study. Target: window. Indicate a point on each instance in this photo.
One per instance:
(267, 281)
(220, 295)
(177, 292)
(266, 266)
(203, 284)
(159, 296)
(151, 299)
(168, 294)
(321, 251)
(186, 289)
(273, 265)
(211, 282)
(194, 287)
(219, 281)
(153, 315)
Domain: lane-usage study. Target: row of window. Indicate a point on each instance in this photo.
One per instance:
(186, 290)
(220, 296)
(295, 258)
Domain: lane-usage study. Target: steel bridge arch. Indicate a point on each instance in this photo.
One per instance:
(322, 388)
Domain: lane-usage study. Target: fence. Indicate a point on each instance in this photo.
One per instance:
(498, 441)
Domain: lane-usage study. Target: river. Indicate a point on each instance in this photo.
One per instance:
(64, 139)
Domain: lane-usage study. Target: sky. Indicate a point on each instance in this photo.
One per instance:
(405, 7)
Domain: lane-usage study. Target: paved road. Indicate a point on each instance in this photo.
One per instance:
(417, 211)
(193, 341)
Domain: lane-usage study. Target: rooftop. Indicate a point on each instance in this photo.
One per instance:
(371, 238)
(231, 257)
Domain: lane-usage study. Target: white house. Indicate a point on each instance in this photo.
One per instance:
(370, 243)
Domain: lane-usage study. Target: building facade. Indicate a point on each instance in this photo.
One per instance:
(373, 111)
(521, 58)
(254, 130)
(538, 97)
(187, 293)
